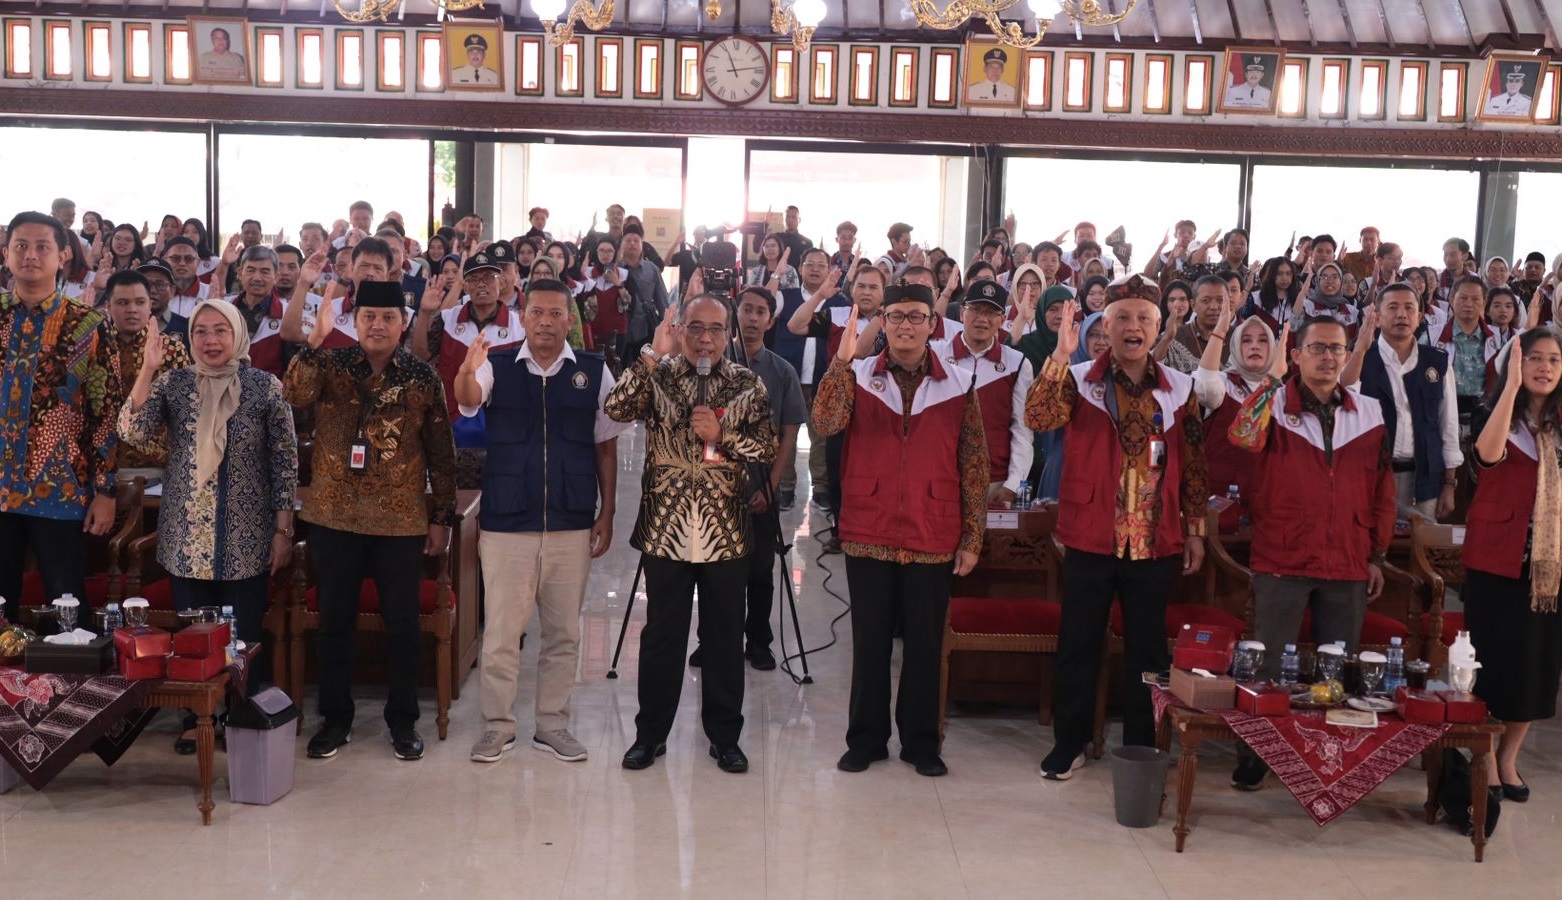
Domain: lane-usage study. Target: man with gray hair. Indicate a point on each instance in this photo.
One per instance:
(261, 306)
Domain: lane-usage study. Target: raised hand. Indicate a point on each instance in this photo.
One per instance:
(1369, 324)
(230, 253)
(849, 338)
(697, 283)
(1068, 333)
(1515, 379)
(325, 320)
(433, 297)
(476, 354)
(1278, 364)
(313, 266)
(152, 349)
(668, 334)
(145, 229)
(1532, 315)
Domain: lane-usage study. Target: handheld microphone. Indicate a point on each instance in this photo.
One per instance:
(703, 369)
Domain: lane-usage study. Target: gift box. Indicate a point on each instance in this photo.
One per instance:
(196, 668)
(1419, 707)
(1261, 698)
(1463, 709)
(142, 642)
(1204, 693)
(202, 639)
(91, 658)
(1208, 647)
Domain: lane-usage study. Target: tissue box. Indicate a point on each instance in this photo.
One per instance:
(1204, 693)
(1208, 647)
(1463, 709)
(1419, 707)
(1263, 699)
(201, 639)
(91, 658)
(197, 668)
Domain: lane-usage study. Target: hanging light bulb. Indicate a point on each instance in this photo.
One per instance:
(809, 13)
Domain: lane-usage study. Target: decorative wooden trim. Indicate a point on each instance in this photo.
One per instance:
(1197, 85)
(51, 28)
(824, 74)
(1423, 73)
(1366, 110)
(904, 86)
(1126, 76)
(95, 33)
(390, 46)
(1085, 100)
(1461, 72)
(854, 94)
(131, 30)
(687, 83)
(175, 37)
(1167, 63)
(1337, 70)
(19, 64)
(1292, 67)
(569, 68)
(346, 38)
(785, 63)
(609, 82)
(1038, 97)
(943, 78)
(649, 52)
(307, 43)
(430, 62)
(261, 32)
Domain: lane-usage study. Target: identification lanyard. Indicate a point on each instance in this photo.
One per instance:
(359, 452)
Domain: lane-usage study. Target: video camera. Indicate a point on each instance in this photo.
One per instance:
(719, 267)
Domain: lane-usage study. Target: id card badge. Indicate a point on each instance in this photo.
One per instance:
(358, 455)
(712, 453)
(1157, 453)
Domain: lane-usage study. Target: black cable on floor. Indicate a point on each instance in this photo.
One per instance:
(786, 659)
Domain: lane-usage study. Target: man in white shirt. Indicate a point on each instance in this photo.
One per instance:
(992, 89)
(474, 72)
(1251, 93)
(1512, 102)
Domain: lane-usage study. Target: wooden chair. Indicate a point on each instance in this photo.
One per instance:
(1438, 560)
(436, 617)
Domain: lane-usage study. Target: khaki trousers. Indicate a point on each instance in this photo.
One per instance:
(523, 571)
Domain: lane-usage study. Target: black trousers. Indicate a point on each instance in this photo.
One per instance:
(247, 596)
(669, 592)
(833, 445)
(61, 548)
(761, 580)
(881, 594)
(1090, 583)
(341, 560)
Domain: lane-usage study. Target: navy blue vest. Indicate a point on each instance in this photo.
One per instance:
(1425, 393)
(541, 472)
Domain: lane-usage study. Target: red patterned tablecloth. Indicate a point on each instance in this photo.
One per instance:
(1327, 768)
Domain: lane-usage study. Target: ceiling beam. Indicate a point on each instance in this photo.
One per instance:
(1513, 25)
(1155, 22)
(1431, 39)
(1236, 24)
(1540, 7)
(1111, 8)
(1269, 10)
(1198, 33)
(1350, 27)
(1388, 29)
(1464, 20)
(1307, 13)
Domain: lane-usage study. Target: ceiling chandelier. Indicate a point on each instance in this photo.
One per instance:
(369, 10)
(595, 17)
(1085, 12)
(798, 20)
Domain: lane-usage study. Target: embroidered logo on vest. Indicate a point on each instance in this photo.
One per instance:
(999, 367)
(877, 384)
(1293, 420)
(579, 380)
(1431, 375)
(1098, 391)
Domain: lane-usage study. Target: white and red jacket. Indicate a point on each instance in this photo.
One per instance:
(504, 332)
(1003, 379)
(1443, 338)
(1093, 462)
(1228, 463)
(183, 301)
(265, 342)
(1498, 521)
(344, 330)
(1313, 516)
(900, 476)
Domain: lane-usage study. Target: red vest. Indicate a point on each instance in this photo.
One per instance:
(997, 372)
(1497, 523)
(1312, 519)
(266, 344)
(1228, 463)
(900, 483)
(1093, 462)
(503, 333)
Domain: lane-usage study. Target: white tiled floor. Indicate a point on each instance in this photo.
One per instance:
(366, 825)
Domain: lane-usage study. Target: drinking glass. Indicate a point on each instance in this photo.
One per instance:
(136, 610)
(210, 614)
(1462, 678)
(1372, 668)
(1330, 663)
(67, 608)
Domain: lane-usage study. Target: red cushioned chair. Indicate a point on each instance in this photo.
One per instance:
(105, 555)
(1439, 563)
(436, 616)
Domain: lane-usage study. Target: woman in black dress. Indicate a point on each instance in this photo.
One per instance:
(1513, 547)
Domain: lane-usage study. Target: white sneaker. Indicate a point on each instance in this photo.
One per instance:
(1060, 765)
(561, 744)
(492, 746)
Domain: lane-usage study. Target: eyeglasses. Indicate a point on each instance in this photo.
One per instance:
(698, 331)
(901, 318)
(1326, 349)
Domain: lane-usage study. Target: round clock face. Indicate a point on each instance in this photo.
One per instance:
(736, 70)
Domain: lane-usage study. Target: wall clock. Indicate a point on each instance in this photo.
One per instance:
(736, 70)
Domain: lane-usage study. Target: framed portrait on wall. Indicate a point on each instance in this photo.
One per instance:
(474, 56)
(1509, 89)
(221, 50)
(1250, 80)
(992, 74)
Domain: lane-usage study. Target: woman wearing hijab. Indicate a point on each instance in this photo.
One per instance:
(1513, 547)
(1092, 343)
(1327, 298)
(226, 522)
(1498, 273)
(1221, 393)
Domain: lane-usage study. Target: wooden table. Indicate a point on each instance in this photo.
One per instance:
(201, 698)
(1196, 727)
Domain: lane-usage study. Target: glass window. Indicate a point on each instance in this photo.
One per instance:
(76, 170)
(286, 180)
(1538, 198)
(1327, 199)
(573, 181)
(1048, 196)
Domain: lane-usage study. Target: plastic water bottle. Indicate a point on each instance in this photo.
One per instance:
(1394, 672)
(113, 620)
(1234, 493)
(232, 649)
(1290, 666)
(1023, 500)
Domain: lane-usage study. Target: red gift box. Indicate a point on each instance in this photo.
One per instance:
(1463, 709)
(146, 667)
(196, 668)
(142, 642)
(202, 639)
(1263, 699)
(1208, 647)
(1419, 707)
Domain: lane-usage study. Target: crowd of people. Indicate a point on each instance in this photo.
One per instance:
(1315, 385)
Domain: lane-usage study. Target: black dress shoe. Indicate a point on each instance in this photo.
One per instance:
(729, 758)
(760, 657)
(786, 500)
(185, 746)
(406, 743)
(330, 738)
(642, 755)
(929, 765)
(1518, 793)
(859, 760)
(695, 659)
